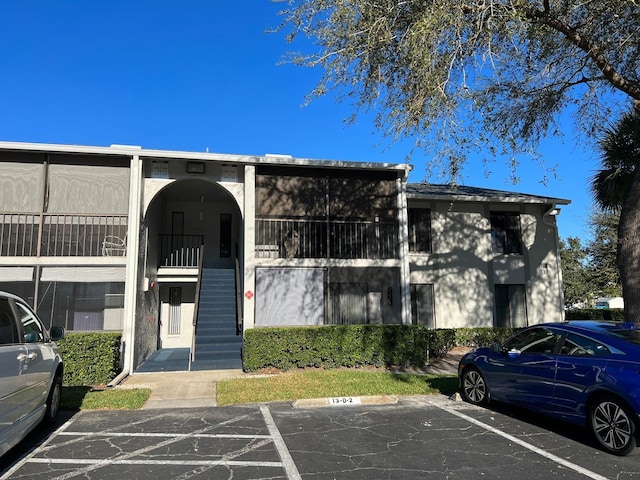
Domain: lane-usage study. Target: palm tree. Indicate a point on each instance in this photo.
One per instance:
(617, 188)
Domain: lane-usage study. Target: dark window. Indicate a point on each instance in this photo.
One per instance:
(632, 336)
(8, 333)
(534, 340)
(422, 306)
(510, 306)
(582, 346)
(225, 235)
(419, 230)
(33, 330)
(505, 232)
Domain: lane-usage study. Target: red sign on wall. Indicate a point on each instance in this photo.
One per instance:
(249, 295)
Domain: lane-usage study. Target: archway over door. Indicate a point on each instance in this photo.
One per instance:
(188, 222)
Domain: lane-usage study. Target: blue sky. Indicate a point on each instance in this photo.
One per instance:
(203, 74)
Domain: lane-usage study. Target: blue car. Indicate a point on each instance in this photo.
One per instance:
(584, 372)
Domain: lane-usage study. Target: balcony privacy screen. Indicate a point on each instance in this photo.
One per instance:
(322, 193)
(289, 296)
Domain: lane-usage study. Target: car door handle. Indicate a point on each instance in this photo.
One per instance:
(22, 357)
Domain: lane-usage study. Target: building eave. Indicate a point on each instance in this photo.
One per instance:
(267, 159)
(462, 194)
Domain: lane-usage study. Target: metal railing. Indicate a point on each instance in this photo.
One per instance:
(180, 250)
(342, 239)
(62, 235)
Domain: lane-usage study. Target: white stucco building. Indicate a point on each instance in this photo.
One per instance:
(186, 251)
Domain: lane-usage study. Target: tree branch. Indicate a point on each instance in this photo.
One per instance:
(592, 50)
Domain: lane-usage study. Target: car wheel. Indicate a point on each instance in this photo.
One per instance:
(474, 388)
(53, 400)
(612, 425)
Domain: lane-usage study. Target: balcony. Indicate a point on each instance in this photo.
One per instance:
(337, 239)
(62, 235)
(181, 251)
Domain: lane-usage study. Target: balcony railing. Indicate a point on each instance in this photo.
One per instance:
(341, 239)
(180, 250)
(62, 235)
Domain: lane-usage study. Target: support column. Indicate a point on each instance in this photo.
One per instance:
(403, 244)
(131, 286)
(249, 246)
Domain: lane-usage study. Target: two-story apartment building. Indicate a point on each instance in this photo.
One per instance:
(184, 251)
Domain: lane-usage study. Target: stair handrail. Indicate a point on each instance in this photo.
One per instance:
(196, 303)
(239, 313)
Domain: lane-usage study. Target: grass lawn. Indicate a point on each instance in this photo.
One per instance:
(88, 398)
(292, 385)
(330, 383)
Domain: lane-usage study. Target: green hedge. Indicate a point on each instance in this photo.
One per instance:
(616, 314)
(90, 358)
(356, 345)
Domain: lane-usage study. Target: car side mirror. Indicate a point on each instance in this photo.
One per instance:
(496, 347)
(56, 333)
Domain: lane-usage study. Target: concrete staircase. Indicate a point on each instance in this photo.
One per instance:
(217, 345)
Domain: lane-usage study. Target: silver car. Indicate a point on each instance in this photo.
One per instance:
(30, 371)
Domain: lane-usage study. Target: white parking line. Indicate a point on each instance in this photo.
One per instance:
(188, 463)
(283, 451)
(520, 442)
(159, 435)
(90, 464)
(33, 452)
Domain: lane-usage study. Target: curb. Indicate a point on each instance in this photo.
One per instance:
(345, 401)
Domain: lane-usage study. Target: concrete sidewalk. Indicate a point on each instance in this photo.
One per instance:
(198, 389)
(180, 389)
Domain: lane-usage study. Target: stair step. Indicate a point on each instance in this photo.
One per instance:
(214, 315)
(220, 331)
(230, 338)
(217, 345)
(227, 364)
(212, 351)
(220, 340)
(217, 310)
(217, 355)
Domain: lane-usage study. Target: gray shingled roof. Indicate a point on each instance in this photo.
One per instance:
(465, 193)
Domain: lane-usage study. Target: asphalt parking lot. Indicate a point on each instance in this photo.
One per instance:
(419, 437)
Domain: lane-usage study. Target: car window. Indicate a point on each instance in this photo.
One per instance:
(33, 331)
(583, 346)
(632, 336)
(534, 340)
(8, 331)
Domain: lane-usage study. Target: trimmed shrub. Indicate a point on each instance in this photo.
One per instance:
(335, 346)
(616, 314)
(481, 337)
(90, 358)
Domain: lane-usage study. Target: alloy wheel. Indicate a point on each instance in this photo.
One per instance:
(612, 427)
(474, 387)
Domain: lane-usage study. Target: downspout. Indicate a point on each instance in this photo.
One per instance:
(43, 208)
